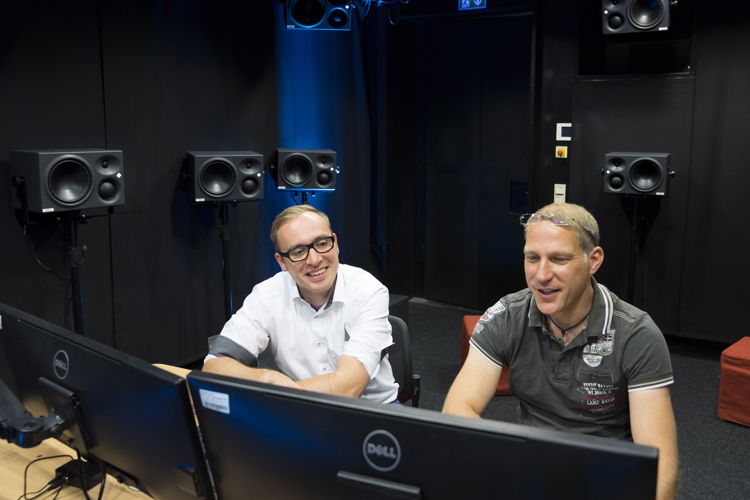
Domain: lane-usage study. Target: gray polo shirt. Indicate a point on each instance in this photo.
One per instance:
(583, 386)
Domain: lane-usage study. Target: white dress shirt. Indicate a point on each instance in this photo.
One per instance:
(305, 342)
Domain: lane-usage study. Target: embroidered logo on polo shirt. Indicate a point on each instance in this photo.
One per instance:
(490, 313)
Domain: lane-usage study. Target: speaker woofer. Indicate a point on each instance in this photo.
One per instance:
(217, 178)
(308, 12)
(645, 14)
(645, 175)
(296, 170)
(69, 181)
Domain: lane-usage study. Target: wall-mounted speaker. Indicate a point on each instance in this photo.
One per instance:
(225, 176)
(636, 173)
(62, 180)
(305, 169)
(319, 14)
(634, 16)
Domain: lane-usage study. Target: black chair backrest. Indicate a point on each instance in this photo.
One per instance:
(399, 355)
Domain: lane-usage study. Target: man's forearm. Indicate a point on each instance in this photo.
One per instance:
(233, 368)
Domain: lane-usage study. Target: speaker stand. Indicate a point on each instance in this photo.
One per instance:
(226, 257)
(642, 214)
(76, 256)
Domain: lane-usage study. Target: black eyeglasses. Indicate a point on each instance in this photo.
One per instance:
(323, 244)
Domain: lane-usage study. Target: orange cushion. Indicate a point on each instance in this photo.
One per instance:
(734, 385)
(467, 328)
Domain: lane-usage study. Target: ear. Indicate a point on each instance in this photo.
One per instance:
(280, 260)
(596, 258)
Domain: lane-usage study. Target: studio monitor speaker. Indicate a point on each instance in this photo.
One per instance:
(636, 173)
(319, 14)
(634, 16)
(305, 169)
(225, 176)
(62, 180)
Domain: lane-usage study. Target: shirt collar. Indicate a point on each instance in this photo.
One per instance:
(597, 317)
(338, 294)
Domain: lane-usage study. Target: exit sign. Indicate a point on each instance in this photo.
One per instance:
(472, 4)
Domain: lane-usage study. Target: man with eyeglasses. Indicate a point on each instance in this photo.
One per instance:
(580, 359)
(324, 323)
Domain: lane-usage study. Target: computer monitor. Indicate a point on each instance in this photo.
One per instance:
(272, 442)
(133, 418)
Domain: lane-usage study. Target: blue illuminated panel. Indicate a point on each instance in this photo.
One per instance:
(472, 4)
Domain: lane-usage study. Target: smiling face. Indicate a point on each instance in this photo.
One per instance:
(558, 270)
(315, 275)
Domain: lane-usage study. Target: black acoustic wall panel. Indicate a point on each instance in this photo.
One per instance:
(634, 16)
(643, 174)
(225, 176)
(319, 14)
(61, 180)
(305, 169)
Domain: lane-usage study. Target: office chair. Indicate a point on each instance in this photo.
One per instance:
(399, 354)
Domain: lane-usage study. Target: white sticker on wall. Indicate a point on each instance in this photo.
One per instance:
(217, 401)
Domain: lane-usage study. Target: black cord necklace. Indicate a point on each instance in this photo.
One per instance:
(564, 331)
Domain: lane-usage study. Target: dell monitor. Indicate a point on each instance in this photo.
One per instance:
(267, 441)
(134, 419)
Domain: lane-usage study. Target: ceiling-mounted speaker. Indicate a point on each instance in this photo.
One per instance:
(305, 169)
(319, 14)
(61, 180)
(225, 176)
(636, 173)
(634, 16)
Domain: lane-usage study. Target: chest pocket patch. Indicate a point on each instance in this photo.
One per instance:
(597, 390)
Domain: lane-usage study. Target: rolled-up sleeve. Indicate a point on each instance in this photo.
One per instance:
(245, 335)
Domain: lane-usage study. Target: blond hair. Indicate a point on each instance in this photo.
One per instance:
(290, 213)
(584, 223)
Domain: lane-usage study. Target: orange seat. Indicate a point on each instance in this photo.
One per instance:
(467, 328)
(734, 385)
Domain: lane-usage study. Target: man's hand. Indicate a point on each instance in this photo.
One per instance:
(233, 368)
(350, 379)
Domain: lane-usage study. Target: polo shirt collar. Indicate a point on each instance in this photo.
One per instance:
(599, 318)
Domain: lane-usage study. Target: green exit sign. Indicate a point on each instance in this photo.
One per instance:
(472, 4)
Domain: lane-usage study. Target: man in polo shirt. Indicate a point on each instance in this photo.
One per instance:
(580, 359)
(325, 324)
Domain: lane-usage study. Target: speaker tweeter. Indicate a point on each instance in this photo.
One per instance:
(63, 180)
(305, 169)
(225, 176)
(636, 173)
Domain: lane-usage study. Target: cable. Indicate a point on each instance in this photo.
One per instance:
(56, 482)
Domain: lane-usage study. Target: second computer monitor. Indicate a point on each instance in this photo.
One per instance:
(271, 442)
